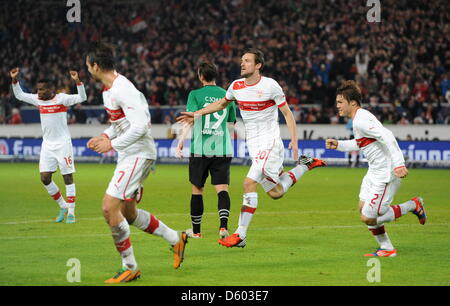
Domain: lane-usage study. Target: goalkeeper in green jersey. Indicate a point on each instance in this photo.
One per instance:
(211, 149)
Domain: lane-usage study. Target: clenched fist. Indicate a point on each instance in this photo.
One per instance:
(331, 144)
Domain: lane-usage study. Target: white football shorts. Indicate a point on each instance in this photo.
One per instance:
(128, 178)
(377, 196)
(267, 164)
(54, 156)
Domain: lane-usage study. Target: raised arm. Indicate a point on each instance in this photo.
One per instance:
(69, 100)
(17, 90)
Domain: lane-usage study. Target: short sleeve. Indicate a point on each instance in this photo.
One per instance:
(191, 103)
(278, 94)
(230, 93)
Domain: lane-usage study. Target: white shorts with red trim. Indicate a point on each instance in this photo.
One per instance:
(267, 165)
(57, 155)
(129, 177)
(377, 196)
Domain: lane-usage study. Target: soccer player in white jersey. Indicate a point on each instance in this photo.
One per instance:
(386, 168)
(259, 99)
(56, 149)
(130, 135)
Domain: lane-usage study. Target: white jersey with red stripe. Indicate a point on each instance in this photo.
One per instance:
(128, 113)
(258, 104)
(377, 143)
(53, 112)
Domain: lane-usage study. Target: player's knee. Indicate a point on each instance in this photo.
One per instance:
(68, 179)
(130, 215)
(107, 208)
(46, 179)
(250, 185)
(368, 221)
(275, 194)
(130, 219)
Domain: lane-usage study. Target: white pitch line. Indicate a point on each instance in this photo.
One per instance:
(270, 213)
(46, 221)
(187, 214)
(309, 227)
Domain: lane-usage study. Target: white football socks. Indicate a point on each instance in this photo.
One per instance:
(249, 205)
(70, 196)
(53, 191)
(287, 179)
(381, 237)
(121, 237)
(150, 224)
(396, 211)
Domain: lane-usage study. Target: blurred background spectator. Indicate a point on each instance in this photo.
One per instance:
(402, 62)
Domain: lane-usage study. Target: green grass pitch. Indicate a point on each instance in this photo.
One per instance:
(312, 236)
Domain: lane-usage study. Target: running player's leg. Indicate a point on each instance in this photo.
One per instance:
(152, 225)
(249, 205)
(128, 179)
(289, 178)
(120, 231)
(147, 222)
(371, 199)
(390, 213)
(112, 206)
(112, 211)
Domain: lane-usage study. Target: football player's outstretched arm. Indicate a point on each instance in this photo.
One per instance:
(342, 145)
(188, 117)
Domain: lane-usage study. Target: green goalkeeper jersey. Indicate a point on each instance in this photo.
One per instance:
(210, 135)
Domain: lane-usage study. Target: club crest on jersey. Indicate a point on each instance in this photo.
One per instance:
(259, 93)
(238, 85)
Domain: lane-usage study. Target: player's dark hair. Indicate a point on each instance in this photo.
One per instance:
(208, 71)
(350, 91)
(48, 83)
(259, 56)
(102, 54)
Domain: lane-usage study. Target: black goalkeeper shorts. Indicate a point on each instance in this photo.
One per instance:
(200, 167)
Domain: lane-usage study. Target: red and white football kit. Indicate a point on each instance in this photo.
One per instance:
(383, 154)
(56, 147)
(130, 136)
(258, 104)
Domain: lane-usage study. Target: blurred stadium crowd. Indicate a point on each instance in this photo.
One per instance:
(402, 62)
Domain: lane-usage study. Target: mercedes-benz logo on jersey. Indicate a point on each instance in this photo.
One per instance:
(4, 149)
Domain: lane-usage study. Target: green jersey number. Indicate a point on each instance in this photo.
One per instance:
(217, 116)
